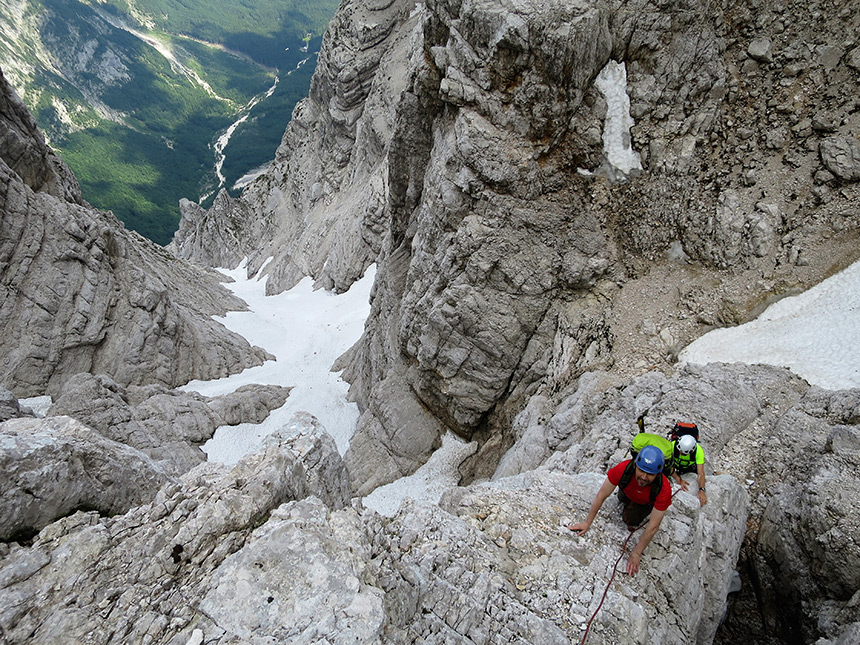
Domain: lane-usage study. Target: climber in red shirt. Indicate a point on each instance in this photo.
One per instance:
(643, 490)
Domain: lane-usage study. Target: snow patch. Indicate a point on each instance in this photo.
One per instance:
(612, 83)
(428, 483)
(306, 330)
(815, 334)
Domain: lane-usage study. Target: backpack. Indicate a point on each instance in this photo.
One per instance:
(681, 428)
(657, 441)
(628, 473)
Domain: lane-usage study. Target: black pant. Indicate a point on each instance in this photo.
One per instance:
(632, 513)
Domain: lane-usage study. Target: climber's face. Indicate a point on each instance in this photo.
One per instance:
(644, 479)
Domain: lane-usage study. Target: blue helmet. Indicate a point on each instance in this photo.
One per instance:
(650, 460)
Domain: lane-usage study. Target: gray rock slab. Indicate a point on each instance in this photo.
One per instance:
(52, 467)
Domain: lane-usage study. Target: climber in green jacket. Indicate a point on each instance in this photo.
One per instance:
(689, 457)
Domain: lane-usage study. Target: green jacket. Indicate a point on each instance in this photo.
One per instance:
(689, 463)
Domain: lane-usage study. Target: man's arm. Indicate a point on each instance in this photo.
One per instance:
(650, 532)
(604, 492)
(700, 472)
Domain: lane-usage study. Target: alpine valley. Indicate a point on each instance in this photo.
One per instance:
(150, 101)
(553, 199)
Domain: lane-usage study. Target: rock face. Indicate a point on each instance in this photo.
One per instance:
(792, 446)
(51, 468)
(493, 562)
(272, 549)
(132, 576)
(229, 558)
(508, 551)
(220, 237)
(81, 294)
(461, 146)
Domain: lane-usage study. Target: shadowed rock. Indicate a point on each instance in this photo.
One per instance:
(51, 467)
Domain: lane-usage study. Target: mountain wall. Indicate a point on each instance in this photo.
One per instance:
(80, 293)
(467, 148)
(460, 145)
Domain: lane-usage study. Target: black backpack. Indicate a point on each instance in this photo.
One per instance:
(628, 473)
(681, 428)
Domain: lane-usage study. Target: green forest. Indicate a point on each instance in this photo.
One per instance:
(137, 113)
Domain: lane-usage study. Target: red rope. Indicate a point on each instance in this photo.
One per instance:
(612, 577)
(606, 591)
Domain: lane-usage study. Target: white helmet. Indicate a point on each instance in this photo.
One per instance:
(687, 444)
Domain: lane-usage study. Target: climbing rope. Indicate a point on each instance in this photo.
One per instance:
(612, 577)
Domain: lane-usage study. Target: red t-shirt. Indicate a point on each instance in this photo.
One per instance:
(640, 495)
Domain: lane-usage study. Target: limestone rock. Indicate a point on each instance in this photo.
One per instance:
(456, 147)
(220, 237)
(51, 467)
(809, 525)
(761, 50)
(841, 156)
(10, 408)
(167, 425)
(793, 446)
(23, 149)
(301, 578)
(132, 577)
(501, 268)
(81, 294)
(506, 549)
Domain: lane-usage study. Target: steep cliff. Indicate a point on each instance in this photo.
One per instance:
(528, 276)
(272, 550)
(79, 293)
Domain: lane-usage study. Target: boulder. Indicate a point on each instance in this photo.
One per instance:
(53, 467)
(10, 408)
(167, 425)
(841, 156)
(141, 576)
(301, 578)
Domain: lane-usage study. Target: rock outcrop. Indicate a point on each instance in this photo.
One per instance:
(167, 425)
(53, 467)
(792, 446)
(140, 576)
(79, 293)
(271, 550)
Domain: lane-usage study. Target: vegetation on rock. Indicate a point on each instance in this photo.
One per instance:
(134, 97)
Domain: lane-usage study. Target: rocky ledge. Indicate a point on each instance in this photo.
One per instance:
(275, 549)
